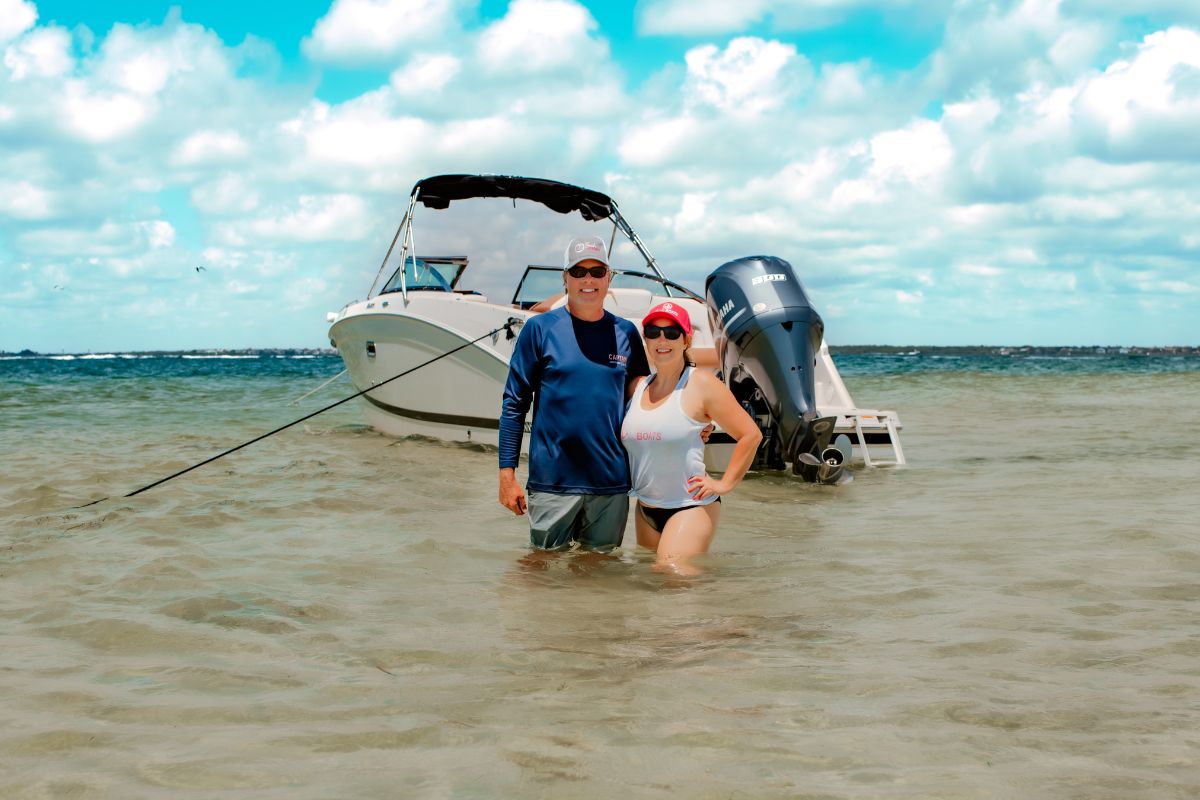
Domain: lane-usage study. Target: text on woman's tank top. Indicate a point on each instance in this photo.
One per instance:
(665, 449)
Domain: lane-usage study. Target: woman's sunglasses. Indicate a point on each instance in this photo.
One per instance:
(596, 272)
(672, 332)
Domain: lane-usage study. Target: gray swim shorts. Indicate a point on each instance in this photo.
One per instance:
(596, 521)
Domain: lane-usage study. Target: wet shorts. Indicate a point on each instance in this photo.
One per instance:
(596, 521)
(657, 517)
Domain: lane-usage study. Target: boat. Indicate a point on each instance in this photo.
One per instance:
(422, 315)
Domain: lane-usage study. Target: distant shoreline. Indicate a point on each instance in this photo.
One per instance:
(852, 349)
(241, 352)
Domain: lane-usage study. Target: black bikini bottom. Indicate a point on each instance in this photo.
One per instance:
(657, 517)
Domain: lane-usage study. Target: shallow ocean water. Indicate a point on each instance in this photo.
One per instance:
(332, 613)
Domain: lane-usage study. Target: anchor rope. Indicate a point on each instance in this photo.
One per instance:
(507, 327)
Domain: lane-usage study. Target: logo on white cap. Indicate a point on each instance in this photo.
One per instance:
(582, 248)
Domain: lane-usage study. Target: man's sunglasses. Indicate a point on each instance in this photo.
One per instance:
(596, 272)
(672, 332)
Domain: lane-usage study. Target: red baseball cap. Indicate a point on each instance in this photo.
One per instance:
(672, 311)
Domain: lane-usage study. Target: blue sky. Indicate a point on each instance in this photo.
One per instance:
(938, 171)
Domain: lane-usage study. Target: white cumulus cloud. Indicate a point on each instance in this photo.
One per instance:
(111, 239)
(919, 153)
(1041, 155)
(143, 62)
(699, 16)
(16, 17)
(362, 134)
(158, 233)
(538, 35)
(366, 31)
(25, 200)
(703, 17)
(210, 147)
(43, 53)
(313, 218)
(1147, 107)
(657, 141)
(749, 76)
(982, 270)
(426, 73)
(100, 116)
(227, 195)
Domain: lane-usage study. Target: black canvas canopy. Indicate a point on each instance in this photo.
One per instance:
(440, 191)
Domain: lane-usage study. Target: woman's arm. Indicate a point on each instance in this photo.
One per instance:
(719, 405)
(542, 306)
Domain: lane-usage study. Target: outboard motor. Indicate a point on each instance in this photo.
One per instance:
(767, 336)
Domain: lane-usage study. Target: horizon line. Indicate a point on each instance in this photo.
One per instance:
(913, 349)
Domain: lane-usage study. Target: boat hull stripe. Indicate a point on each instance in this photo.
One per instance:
(482, 423)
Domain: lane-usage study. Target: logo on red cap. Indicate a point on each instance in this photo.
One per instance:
(673, 311)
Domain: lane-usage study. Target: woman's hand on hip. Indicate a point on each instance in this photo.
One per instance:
(702, 486)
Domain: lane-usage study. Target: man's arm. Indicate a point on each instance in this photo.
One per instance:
(543, 306)
(523, 378)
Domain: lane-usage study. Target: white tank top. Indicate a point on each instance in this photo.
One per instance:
(664, 448)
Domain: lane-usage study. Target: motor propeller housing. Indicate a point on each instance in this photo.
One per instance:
(767, 336)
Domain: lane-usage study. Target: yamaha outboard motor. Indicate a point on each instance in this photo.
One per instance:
(767, 336)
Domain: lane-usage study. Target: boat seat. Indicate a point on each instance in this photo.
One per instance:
(630, 303)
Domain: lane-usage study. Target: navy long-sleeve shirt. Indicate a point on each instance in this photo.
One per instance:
(573, 373)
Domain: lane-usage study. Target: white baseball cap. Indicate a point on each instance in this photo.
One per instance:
(583, 248)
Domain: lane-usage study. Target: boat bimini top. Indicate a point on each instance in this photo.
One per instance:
(439, 191)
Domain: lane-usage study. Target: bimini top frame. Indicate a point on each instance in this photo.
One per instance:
(439, 191)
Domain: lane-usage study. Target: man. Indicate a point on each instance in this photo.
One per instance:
(573, 364)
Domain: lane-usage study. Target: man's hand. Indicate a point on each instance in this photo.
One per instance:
(512, 496)
(707, 432)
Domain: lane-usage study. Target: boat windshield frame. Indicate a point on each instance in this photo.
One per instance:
(439, 191)
(428, 273)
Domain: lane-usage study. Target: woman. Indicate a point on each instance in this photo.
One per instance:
(677, 502)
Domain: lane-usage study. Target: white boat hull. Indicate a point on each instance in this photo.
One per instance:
(457, 397)
(454, 397)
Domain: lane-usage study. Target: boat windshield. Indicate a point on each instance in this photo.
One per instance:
(541, 282)
(428, 273)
